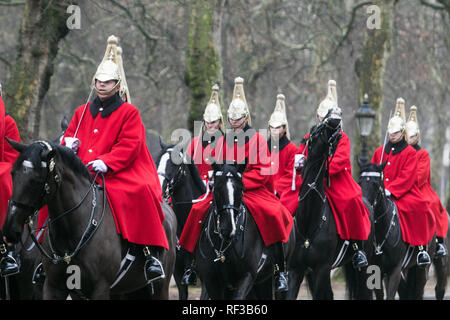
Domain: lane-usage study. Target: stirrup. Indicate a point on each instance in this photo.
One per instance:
(359, 260)
(161, 276)
(441, 250)
(38, 274)
(426, 260)
(189, 278)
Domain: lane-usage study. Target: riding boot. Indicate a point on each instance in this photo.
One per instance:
(280, 274)
(441, 249)
(189, 277)
(423, 258)
(153, 269)
(9, 260)
(359, 259)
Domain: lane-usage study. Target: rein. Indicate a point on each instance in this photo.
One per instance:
(93, 224)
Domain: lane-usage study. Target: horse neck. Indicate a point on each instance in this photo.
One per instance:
(381, 213)
(312, 206)
(72, 191)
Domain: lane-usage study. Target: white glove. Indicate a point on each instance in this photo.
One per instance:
(72, 143)
(299, 161)
(98, 166)
(387, 192)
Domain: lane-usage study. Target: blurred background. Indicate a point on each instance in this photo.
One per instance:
(175, 50)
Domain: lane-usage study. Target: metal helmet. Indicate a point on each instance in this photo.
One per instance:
(330, 100)
(238, 107)
(212, 110)
(278, 117)
(412, 126)
(109, 68)
(397, 122)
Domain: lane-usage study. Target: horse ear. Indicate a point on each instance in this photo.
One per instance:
(162, 144)
(20, 147)
(64, 124)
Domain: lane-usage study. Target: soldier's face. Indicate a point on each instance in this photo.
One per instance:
(277, 132)
(396, 136)
(213, 126)
(104, 88)
(413, 140)
(237, 123)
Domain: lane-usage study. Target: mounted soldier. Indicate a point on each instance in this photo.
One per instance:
(242, 144)
(401, 184)
(199, 152)
(343, 193)
(424, 182)
(8, 128)
(108, 135)
(286, 181)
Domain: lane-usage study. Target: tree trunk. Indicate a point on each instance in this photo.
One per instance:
(43, 26)
(203, 67)
(370, 68)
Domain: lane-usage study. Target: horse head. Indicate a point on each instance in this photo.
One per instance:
(171, 169)
(323, 138)
(34, 176)
(227, 194)
(371, 181)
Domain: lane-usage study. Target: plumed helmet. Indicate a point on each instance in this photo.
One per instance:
(108, 68)
(412, 126)
(397, 122)
(238, 107)
(212, 110)
(278, 117)
(123, 92)
(330, 100)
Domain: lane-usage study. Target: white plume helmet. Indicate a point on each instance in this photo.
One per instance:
(109, 69)
(397, 122)
(238, 107)
(330, 100)
(412, 126)
(278, 117)
(212, 110)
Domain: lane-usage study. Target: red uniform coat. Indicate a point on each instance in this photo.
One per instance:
(345, 196)
(117, 137)
(424, 182)
(400, 178)
(8, 156)
(272, 218)
(200, 153)
(282, 166)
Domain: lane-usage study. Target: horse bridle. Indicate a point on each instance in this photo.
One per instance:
(172, 183)
(93, 224)
(380, 192)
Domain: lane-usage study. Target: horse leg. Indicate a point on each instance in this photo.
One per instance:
(101, 291)
(243, 287)
(322, 283)
(440, 269)
(295, 280)
(392, 282)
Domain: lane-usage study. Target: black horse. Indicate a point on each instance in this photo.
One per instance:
(396, 259)
(180, 183)
(318, 247)
(82, 251)
(230, 246)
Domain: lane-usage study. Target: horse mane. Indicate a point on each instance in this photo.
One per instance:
(70, 159)
(196, 179)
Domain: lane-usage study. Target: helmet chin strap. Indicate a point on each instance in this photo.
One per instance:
(106, 92)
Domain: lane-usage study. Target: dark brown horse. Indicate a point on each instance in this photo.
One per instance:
(82, 252)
